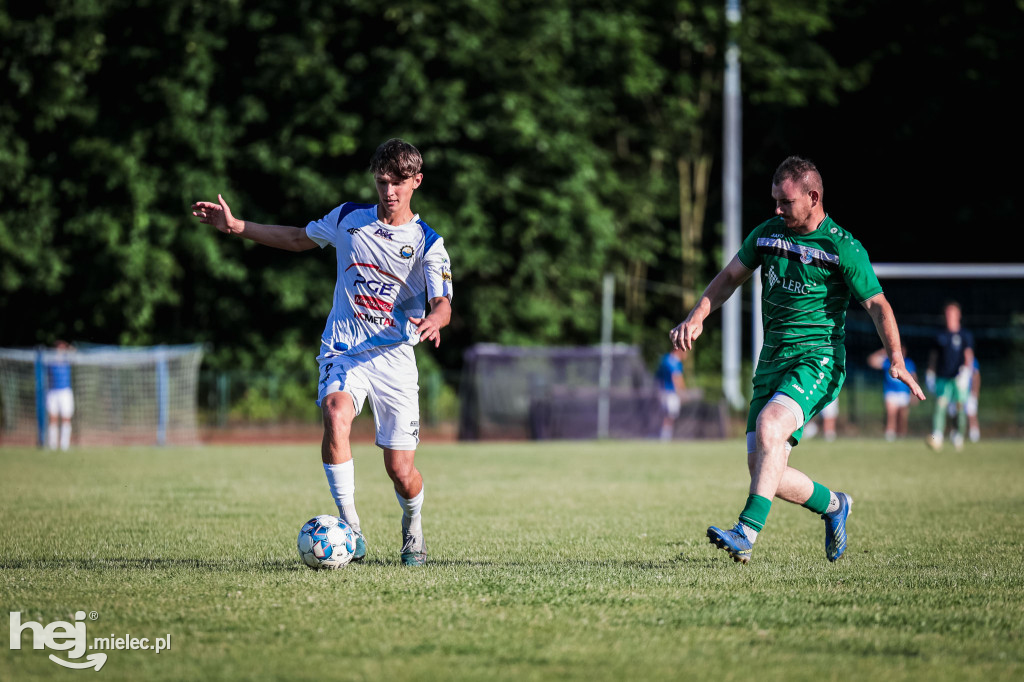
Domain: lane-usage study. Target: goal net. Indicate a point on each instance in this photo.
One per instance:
(541, 393)
(991, 297)
(122, 395)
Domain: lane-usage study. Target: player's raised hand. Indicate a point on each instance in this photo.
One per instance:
(429, 329)
(900, 372)
(218, 215)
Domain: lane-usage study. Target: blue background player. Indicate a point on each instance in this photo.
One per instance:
(895, 394)
(60, 399)
(670, 376)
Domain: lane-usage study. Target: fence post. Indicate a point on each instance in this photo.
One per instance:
(41, 416)
(223, 397)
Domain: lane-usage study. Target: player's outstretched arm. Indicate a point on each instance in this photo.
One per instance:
(885, 324)
(430, 325)
(718, 292)
(278, 236)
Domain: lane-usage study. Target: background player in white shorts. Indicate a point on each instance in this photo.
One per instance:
(390, 265)
(60, 398)
(670, 377)
(829, 416)
(895, 394)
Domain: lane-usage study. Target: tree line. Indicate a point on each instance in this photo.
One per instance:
(562, 139)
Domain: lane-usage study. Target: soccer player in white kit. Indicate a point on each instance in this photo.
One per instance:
(390, 265)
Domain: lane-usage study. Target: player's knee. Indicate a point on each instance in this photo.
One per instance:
(338, 413)
(771, 432)
(400, 472)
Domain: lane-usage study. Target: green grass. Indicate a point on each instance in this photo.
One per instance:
(553, 561)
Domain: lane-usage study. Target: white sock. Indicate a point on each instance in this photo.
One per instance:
(833, 503)
(65, 435)
(342, 480)
(749, 532)
(412, 522)
(51, 437)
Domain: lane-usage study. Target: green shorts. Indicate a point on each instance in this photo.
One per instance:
(950, 391)
(812, 380)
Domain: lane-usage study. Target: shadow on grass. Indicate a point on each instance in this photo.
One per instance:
(618, 564)
(149, 564)
(289, 565)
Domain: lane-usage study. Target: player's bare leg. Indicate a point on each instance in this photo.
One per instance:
(336, 452)
(902, 421)
(401, 467)
(769, 463)
(771, 477)
(338, 412)
(767, 460)
(53, 433)
(891, 421)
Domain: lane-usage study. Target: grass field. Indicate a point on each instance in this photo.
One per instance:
(553, 561)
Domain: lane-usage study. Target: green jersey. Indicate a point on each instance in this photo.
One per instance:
(807, 281)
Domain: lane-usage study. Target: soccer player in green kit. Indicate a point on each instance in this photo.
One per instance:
(810, 267)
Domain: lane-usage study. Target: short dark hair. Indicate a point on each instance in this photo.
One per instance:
(950, 303)
(396, 158)
(799, 170)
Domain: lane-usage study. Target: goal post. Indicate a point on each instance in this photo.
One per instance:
(122, 395)
(991, 298)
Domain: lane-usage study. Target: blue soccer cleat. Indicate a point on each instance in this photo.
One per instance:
(835, 527)
(733, 541)
(360, 551)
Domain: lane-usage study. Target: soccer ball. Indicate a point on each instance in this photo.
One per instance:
(326, 541)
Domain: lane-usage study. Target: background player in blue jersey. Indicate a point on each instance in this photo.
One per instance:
(895, 394)
(391, 265)
(671, 380)
(950, 365)
(60, 398)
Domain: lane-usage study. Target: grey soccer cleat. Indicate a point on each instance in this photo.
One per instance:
(414, 549)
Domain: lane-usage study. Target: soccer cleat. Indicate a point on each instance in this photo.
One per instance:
(958, 441)
(360, 551)
(733, 541)
(414, 549)
(835, 527)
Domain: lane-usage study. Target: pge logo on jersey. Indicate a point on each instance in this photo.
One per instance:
(72, 638)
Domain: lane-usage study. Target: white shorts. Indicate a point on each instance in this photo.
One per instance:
(669, 403)
(60, 402)
(389, 378)
(830, 411)
(897, 399)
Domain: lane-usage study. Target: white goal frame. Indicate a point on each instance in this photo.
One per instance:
(123, 395)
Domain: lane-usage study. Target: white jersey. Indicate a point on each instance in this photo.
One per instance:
(386, 274)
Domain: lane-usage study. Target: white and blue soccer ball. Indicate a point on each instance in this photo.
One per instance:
(326, 541)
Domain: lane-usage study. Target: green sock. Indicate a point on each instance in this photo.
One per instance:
(819, 499)
(755, 513)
